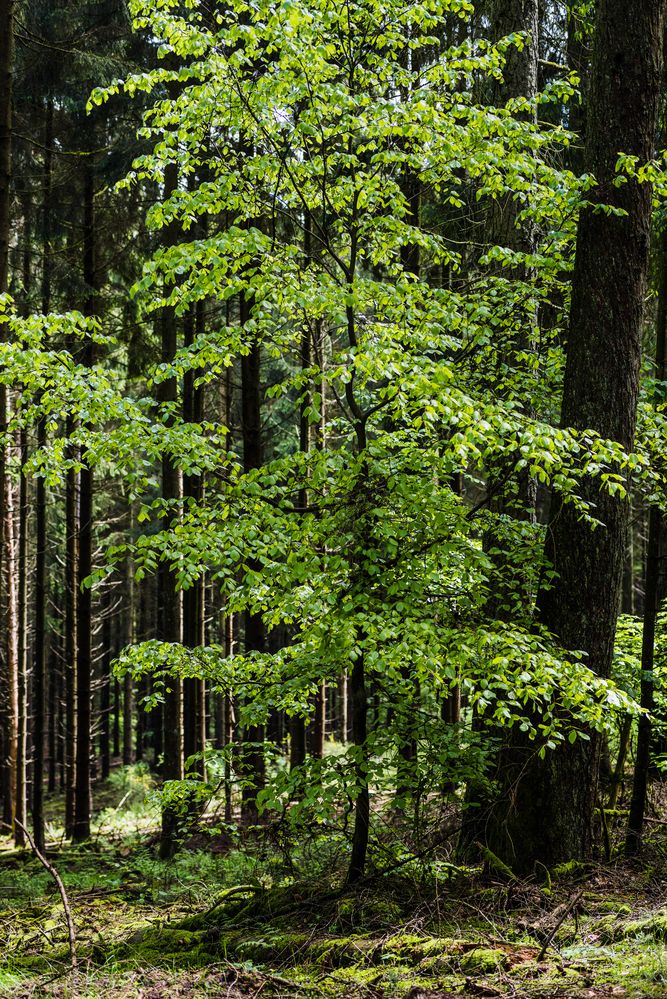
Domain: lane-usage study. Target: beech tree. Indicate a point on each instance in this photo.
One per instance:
(389, 577)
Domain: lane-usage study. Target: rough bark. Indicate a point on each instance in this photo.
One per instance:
(548, 809)
(84, 610)
(633, 840)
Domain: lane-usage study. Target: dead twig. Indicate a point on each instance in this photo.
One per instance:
(61, 888)
(559, 922)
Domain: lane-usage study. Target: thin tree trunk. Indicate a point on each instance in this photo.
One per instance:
(105, 690)
(169, 599)
(253, 766)
(84, 618)
(70, 644)
(194, 690)
(54, 695)
(228, 722)
(41, 588)
(633, 839)
(130, 639)
(6, 125)
(22, 769)
(6, 88)
(297, 723)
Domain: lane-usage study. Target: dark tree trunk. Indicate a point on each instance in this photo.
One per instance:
(633, 840)
(39, 652)
(169, 599)
(194, 690)
(547, 813)
(84, 616)
(507, 229)
(318, 728)
(70, 650)
(362, 804)
(253, 767)
(106, 681)
(41, 588)
(54, 726)
(22, 543)
(297, 723)
(130, 639)
(16, 605)
(6, 87)
(578, 59)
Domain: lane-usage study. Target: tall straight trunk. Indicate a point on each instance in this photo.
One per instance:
(41, 589)
(578, 59)
(82, 763)
(550, 804)
(228, 721)
(169, 598)
(84, 617)
(362, 804)
(633, 840)
(105, 682)
(70, 643)
(16, 672)
(407, 762)
(194, 690)
(130, 639)
(54, 698)
(359, 676)
(317, 730)
(341, 708)
(21, 543)
(297, 724)
(22, 617)
(253, 766)
(6, 86)
(519, 76)
(506, 228)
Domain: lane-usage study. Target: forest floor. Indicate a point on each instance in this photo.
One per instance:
(219, 921)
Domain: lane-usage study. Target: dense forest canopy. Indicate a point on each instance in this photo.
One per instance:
(332, 419)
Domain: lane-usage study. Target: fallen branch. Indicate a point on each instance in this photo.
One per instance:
(559, 922)
(61, 888)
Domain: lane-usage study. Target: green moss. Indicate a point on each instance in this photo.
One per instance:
(339, 952)
(570, 869)
(483, 960)
(611, 905)
(654, 926)
(269, 948)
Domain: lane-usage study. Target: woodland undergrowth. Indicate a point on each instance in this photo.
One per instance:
(251, 915)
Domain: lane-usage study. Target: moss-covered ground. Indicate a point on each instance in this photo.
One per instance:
(223, 919)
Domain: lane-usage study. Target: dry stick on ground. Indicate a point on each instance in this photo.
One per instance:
(61, 888)
(568, 908)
